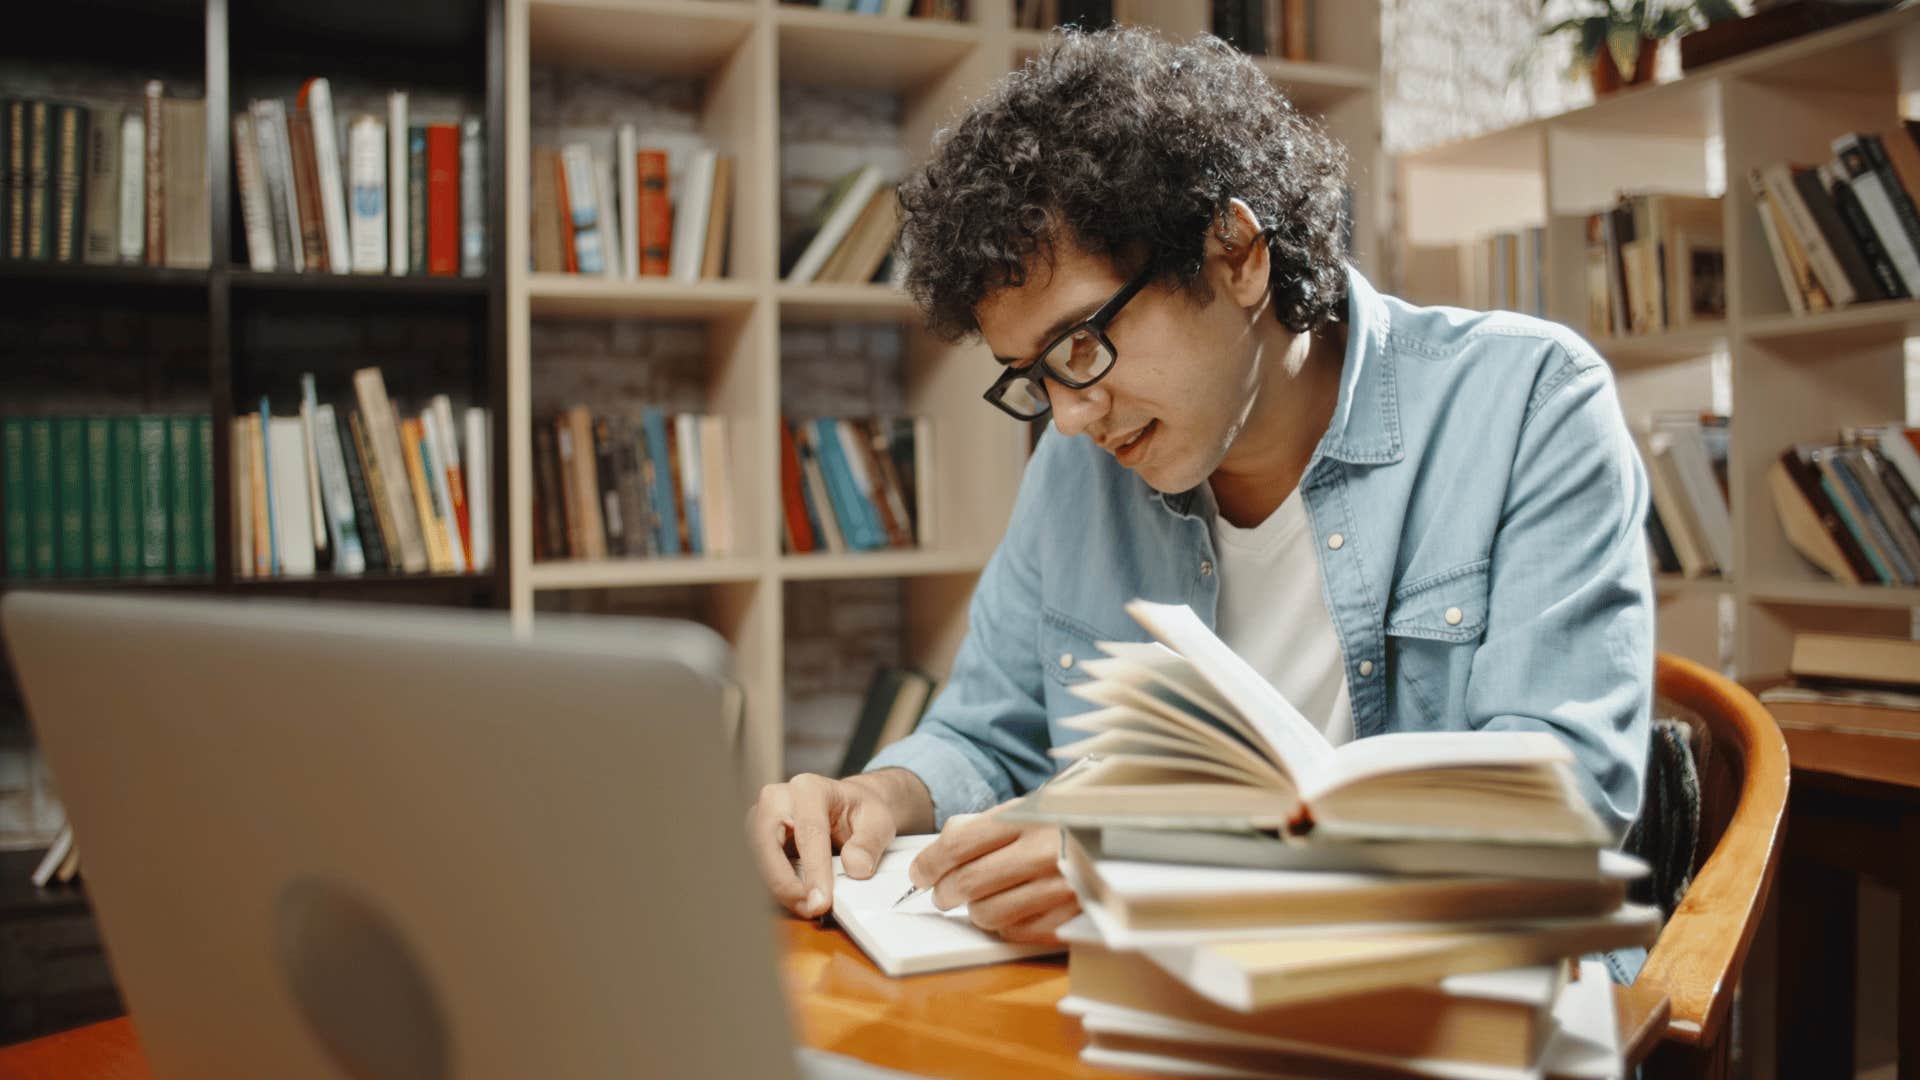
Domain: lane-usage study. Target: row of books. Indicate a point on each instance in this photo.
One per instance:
(1265, 27)
(1506, 270)
(1256, 901)
(1655, 263)
(631, 483)
(1688, 524)
(855, 484)
(606, 205)
(362, 489)
(943, 10)
(107, 496)
(1845, 231)
(849, 236)
(360, 194)
(1852, 508)
(105, 182)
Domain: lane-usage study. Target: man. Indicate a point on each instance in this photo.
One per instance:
(1407, 518)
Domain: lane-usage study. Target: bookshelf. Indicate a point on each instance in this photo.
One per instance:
(1783, 378)
(758, 65)
(83, 338)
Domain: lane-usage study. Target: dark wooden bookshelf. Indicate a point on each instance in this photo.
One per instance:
(221, 318)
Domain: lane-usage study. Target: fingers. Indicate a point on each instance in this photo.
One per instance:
(813, 839)
(768, 824)
(966, 838)
(1008, 909)
(996, 871)
(869, 830)
(1044, 928)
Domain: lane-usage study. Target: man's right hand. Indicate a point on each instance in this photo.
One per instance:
(810, 817)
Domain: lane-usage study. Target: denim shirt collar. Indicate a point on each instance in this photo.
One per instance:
(1365, 429)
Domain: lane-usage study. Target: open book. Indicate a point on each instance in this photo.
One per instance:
(914, 937)
(1189, 735)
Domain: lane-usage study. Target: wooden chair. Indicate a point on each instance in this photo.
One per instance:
(1696, 963)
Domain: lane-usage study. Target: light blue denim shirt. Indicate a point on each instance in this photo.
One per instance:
(1476, 503)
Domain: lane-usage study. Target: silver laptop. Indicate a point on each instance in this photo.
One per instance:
(380, 842)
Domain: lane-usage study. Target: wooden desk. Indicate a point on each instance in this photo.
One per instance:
(1855, 811)
(987, 1022)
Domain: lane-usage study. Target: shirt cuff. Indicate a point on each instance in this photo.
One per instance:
(949, 773)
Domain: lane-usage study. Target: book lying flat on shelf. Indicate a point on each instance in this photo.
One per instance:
(1190, 735)
(916, 936)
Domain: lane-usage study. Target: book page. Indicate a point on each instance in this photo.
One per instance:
(1294, 743)
(1411, 751)
(916, 936)
(1148, 710)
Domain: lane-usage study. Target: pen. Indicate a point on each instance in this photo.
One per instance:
(1075, 766)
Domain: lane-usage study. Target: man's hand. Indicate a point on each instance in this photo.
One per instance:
(810, 817)
(1008, 876)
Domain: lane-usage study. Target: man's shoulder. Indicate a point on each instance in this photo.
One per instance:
(1461, 345)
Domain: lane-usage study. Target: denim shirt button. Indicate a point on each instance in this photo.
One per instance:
(1454, 616)
(1335, 541)
(1206, 568)
(1066, 659)
(1366, 668)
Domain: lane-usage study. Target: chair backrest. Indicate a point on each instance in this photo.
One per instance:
(1742, 763)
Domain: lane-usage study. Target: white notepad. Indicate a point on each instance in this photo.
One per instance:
(916, 937)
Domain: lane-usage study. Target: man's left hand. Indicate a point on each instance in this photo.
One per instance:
(1007, 875)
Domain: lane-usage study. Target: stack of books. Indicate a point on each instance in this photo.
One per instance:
(1689, 525)
(1256, 901)
(1655, 263)
(367, 489)
(631, 483)
(360, 194)
(608, 204)
(105, 182)
(851, 484)
(1845, 231)
(1851, 508)
(848, 238)
(107, 496)
(1844, 686)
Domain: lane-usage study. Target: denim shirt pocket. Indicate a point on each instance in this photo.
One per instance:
(1433, 626)
(1065, 644)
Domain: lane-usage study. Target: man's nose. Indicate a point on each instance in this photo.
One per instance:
(1075, 410)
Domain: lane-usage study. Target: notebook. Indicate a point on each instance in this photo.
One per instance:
(916, 937)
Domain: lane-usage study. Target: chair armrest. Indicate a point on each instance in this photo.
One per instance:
(1700, 952)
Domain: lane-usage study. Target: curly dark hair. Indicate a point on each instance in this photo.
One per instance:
(1130, 146)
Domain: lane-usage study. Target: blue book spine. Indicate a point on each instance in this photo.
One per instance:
(668, 532)
(1902, 569)
(266, 463)
(847, 500)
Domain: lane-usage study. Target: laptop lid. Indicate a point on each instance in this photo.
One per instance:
(383, 842)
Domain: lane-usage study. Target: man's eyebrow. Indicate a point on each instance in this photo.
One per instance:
(1059, 327)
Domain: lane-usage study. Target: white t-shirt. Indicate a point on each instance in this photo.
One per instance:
(1272, 612)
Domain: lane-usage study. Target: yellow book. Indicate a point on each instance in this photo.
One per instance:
(439, 554)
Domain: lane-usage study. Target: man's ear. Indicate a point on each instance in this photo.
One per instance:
(1235, 247)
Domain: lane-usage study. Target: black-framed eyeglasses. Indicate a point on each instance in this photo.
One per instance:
(1078, 358)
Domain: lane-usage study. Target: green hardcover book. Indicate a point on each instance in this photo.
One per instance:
(42, 559)
(13, 490)
(100, 561)
(203, 490)
(126, 495)
(153, 496)
(70, 461)
(183, 519)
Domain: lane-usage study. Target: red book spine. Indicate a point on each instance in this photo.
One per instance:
(572, 265)
(443, 199)
(655, 214)
(791, 496)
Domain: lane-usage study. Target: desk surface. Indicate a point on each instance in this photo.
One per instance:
(985, 1022)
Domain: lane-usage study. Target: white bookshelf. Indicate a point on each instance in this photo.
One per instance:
(742, 53)
(1784, 378)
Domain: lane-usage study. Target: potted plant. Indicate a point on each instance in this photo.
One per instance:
(1607, 31)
